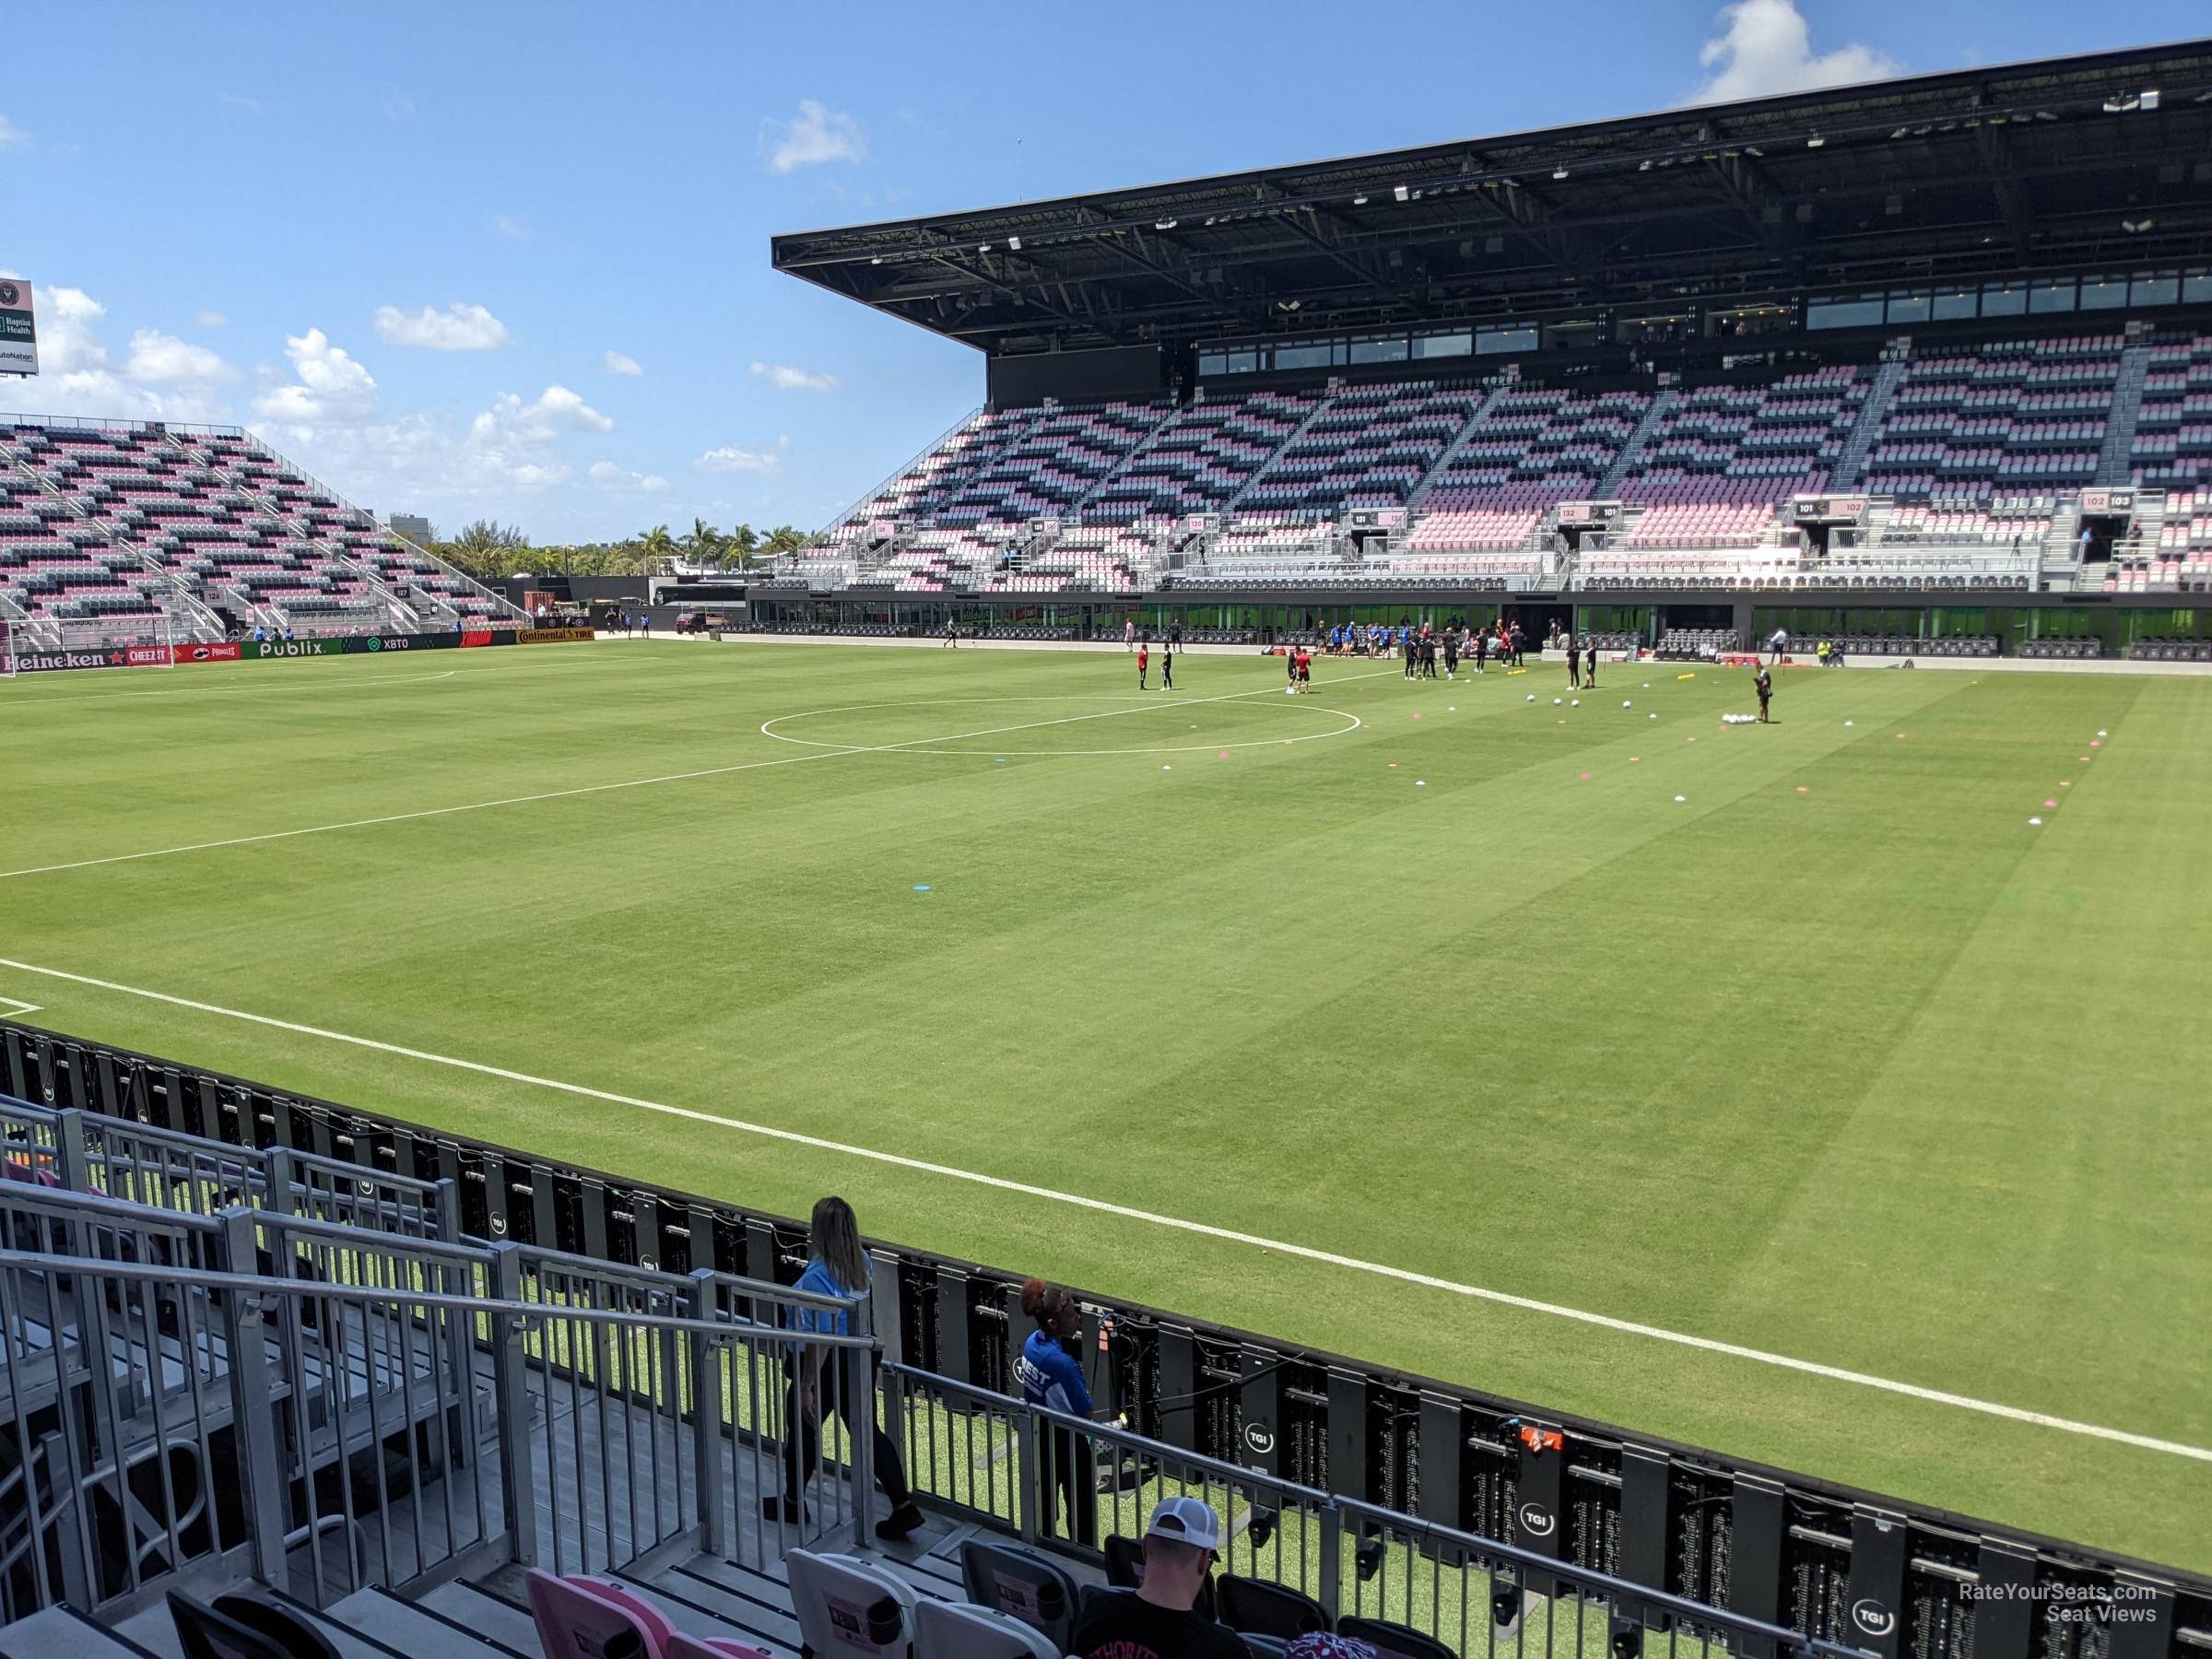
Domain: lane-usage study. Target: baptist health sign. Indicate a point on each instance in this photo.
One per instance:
(19, 333)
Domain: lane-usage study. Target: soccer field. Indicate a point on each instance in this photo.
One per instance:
(1780, 1090)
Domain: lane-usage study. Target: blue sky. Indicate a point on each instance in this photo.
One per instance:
(477, 259)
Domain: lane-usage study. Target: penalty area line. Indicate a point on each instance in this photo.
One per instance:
(1174, 1223)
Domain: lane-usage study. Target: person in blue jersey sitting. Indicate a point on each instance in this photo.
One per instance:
(1050, 1377)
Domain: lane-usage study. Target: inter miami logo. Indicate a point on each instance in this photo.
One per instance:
(10, 294)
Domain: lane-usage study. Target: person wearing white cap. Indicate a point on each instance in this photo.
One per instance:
(1156, 1620)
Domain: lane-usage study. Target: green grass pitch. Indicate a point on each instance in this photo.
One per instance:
(1835, 1058)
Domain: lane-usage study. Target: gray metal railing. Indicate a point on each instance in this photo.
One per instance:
(91, 1152)
(326, 1407)
(1015, 1466)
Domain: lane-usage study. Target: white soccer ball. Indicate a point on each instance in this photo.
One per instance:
(2035, 823)
(1166, 769)
(1576, 703)
(1421, 783)
(1556, 701)
(1626, 704)
(1851, 722)
(1532, 697)
(1680, 798)
(2100, 734)
(1653, 717)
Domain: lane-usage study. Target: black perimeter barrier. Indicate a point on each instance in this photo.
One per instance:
(1895, 1580)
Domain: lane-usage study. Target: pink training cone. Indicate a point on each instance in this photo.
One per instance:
(2051, 803)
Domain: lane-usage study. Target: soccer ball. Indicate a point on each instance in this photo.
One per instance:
(1554, 702)
(1626, 704)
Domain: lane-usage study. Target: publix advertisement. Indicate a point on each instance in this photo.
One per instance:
(270, 651)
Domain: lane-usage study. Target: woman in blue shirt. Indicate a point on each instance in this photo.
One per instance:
(836, 1265)
(1049, 1377)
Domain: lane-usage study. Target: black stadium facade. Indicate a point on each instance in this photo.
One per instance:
(2066, 205)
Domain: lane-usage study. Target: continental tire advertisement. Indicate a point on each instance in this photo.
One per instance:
(552, 636)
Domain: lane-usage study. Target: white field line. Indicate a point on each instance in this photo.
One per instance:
(1141, 708)
(551, 795)
(353, 682)
(432, 812)
(279, 680)
(18, 1009)
(1174, 1223)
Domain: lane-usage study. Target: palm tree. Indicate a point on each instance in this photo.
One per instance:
(783, 539)
(657, 544)
(704, 543)
(738, 547)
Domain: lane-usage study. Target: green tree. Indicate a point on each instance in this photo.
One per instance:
(739, 546)
(656, 544)
(704, 543)
(782, 540)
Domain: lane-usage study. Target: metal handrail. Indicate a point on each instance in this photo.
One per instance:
(1340, 1577)
(528, 1313)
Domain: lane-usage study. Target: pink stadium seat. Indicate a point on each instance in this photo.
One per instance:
(578, 1618)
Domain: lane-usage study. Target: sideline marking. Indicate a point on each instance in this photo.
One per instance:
(351, 683)
(1306, 1253)
(18, 1009)
(552, 794)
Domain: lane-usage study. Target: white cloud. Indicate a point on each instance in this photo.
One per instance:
(511, 225)
(607, 475)
(557, 410)
(818, 135)
(162, 380)
(211, 319)
(734, 458)
(331, 387)
(1765, 47)
(787, 379)
(458, 327)
(620, 364)
(162, 358)
(10, 133)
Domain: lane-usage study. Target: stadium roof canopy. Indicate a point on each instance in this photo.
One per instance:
(2070, 164)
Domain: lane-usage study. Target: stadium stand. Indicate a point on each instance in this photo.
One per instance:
(2003, 427)
(1970, 453)
(212, 519)
(1201, 457)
